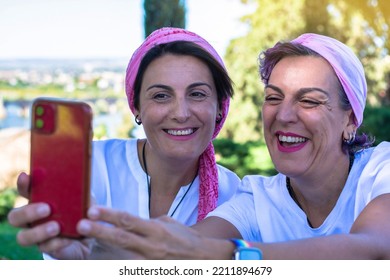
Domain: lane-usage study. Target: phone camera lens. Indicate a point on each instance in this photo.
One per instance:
(39, 123)
(39, 111)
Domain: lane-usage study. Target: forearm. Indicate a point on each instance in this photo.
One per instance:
(346, 246)
(369, 238)
(214, 249)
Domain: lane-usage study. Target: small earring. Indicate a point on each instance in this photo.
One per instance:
(219, 118)
(137, 121)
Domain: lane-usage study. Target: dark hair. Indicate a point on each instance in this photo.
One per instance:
(269, 58)
(222, 81)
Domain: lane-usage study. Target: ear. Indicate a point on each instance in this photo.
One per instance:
(219, 115)
(350, 127)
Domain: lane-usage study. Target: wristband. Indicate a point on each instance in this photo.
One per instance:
(244, 251)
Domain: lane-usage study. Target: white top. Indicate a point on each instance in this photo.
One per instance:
(118, 181)
(264, 211)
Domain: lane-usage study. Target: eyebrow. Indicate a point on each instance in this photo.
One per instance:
(300, 91)
(170, 88)
(159, 86)
(200, 84)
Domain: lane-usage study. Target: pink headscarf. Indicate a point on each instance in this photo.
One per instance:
(346, 65)
(208, 190)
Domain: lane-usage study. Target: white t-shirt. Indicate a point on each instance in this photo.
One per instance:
(264, 211)
(118, 181)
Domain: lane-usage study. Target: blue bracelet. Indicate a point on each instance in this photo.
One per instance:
(244, 250)
(240, 243)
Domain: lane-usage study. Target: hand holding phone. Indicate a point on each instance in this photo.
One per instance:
(61, 135)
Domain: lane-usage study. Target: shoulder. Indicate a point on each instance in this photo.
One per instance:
(374, 170)
(262, 185)
(261, 181)
(113, 144)
(105, 152)
(382, 148)
(381, 156)
(373, 156)
(226, 174)
(228, 183)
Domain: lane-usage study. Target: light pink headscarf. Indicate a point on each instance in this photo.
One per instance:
(346, 65)
(208, 174)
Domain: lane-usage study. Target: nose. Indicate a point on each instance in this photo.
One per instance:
(181, 110)
(287, 112)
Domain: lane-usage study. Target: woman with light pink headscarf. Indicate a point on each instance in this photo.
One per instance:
(179, 90)
(331, 198)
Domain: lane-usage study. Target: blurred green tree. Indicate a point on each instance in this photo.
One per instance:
(163, 13)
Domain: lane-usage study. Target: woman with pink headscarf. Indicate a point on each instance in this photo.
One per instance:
(179, 90)
(331, 198)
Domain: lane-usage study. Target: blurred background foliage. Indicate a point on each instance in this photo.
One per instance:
(163, 13)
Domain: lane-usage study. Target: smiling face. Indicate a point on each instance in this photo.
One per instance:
(178, 106)
(303, 120)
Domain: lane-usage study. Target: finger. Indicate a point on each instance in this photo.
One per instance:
(21, 217)
(23, 183)
(66, 248)
(38, 234)
(54, 244)
(120, 219)
(144, 245)
(167, 219)
(107, 234)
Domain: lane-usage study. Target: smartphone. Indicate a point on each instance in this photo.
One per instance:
(61, 135)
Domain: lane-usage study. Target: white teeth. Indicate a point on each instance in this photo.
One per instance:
(180, 132)
(291, 139)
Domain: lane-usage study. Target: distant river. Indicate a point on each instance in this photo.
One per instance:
(15, 116)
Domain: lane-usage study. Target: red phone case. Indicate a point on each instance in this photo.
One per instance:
(61, 135)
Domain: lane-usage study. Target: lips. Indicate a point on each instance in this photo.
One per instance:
(291, 139)
(289, 142)
(180, 132)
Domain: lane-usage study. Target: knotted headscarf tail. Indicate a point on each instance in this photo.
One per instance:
(208, 173)
(346, 65)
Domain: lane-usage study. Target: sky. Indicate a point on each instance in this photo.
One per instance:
(103, 28)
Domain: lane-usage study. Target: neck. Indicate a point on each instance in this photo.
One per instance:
(165, 188)
(171, 174)
(317, 197)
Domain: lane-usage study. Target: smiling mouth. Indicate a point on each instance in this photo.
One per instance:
(290, 140)
(180, 132)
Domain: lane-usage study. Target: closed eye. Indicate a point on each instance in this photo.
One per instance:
(273, 99)
(310, 102)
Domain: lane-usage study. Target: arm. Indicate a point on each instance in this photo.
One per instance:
(160, 238)
(164, 238)
(216, 227)
(369, 238)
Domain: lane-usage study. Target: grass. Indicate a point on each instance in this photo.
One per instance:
(9, 248)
